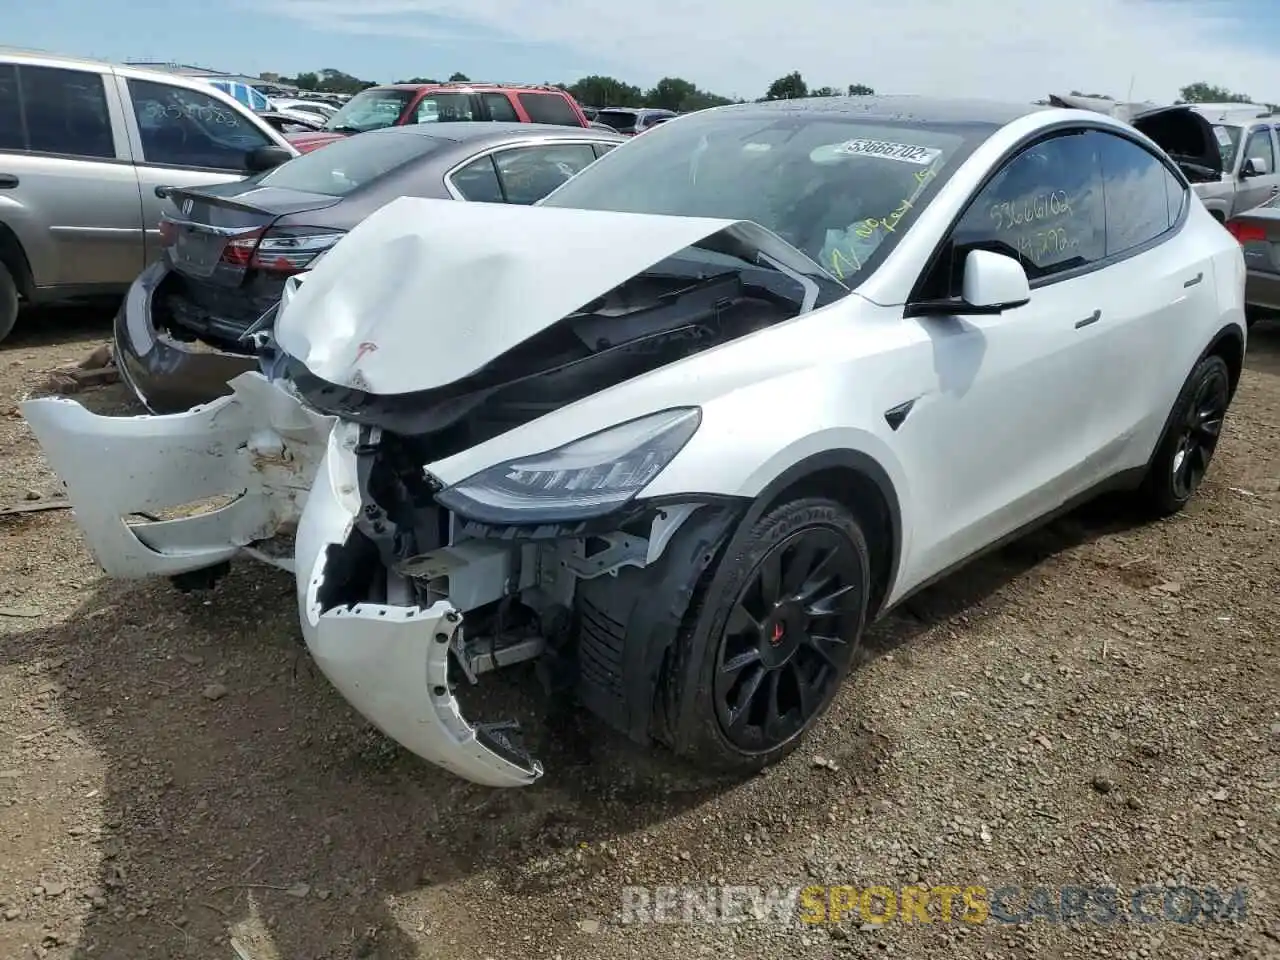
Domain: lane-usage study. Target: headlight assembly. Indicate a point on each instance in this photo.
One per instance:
(590, 477)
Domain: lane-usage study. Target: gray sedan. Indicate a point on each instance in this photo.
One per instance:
(228, 248)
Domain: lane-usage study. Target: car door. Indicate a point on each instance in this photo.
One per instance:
(1159, 284)
(1004, 402)
(183, 137)
(1252, 190)
(71, 192)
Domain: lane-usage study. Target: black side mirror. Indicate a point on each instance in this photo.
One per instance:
(266, 157)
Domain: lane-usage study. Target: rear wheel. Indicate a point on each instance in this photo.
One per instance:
(771, 642)
(8, 302)
(1190, 438)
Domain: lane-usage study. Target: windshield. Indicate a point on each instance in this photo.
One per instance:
(839, 188)
(1228, 143)
(347, 165)
(370, 110)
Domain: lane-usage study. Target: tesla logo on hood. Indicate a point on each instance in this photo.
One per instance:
(186, 207)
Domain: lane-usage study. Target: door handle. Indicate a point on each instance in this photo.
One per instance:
(1092, 318)
(1194, 280)
(8, 181)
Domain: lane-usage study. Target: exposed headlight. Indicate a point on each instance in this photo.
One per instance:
(589, 477)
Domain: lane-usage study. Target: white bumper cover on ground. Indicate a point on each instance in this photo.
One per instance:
(258, 444)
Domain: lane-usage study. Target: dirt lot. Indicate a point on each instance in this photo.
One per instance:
(1097, 705)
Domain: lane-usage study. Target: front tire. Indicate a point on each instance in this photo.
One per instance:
(768, 644)
(8, 302)
(1190, 438)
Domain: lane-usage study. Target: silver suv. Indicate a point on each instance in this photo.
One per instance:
(1246, 135)
(84, 146)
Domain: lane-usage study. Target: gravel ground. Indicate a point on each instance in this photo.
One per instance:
(1094, 706)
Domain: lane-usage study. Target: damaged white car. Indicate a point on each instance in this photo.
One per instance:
(690, 424)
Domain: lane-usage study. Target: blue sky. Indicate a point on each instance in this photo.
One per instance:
(1017, 49)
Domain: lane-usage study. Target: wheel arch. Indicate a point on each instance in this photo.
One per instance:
(1228, 343)
(858, 481)
(14, 257)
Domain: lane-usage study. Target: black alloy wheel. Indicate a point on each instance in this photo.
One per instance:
(1201, 429)
(789, 638)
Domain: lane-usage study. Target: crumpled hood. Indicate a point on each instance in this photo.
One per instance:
(425, 292)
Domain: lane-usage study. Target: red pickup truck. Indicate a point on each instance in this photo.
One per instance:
(404, 103)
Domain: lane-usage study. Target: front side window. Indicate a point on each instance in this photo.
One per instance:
(444, 108)
(66, 112)
(500, 108)
(349, 164)
(370, 110)
(187, 128)
(1137, 200)
(1045, 207)
(1260, 147)
(841, 189)
(530, 173)
(548, 108)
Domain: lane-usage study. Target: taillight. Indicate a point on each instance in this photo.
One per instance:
(289, 249)
(1246, 232)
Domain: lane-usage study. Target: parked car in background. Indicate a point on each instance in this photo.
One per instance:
(83, 147)
(180, 335)
(292, 121)
(1258, 232)
(632, 120)
(318, 107)
(1246, 137)
(402, 104)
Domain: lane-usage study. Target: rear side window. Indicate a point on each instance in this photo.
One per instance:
(349, 164)
(478, 181)
(603, 148)
(1176, 196)
(530, 173)
(548, 108)
(1137, 194)
(187, 128)
(66, 112)
(1045, 206)
(12, 136)
(501, 108)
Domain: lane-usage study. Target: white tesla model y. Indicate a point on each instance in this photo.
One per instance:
(688, 425)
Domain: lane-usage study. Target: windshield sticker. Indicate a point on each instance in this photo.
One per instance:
(1224, 138)
(903, 152)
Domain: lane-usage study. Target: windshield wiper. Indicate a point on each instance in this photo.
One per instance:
(344, 128)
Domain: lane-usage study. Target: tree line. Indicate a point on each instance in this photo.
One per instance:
(676, 93)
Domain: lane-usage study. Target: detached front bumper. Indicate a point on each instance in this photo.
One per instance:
(291, 470)
(391, 662)
(166, 374)
(258, 445)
